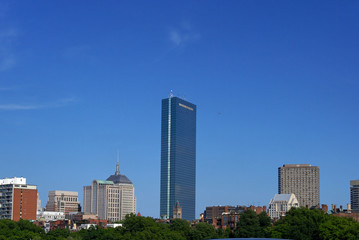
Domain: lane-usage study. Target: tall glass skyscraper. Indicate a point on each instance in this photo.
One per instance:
(178, 157)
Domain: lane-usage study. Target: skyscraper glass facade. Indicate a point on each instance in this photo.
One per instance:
(178, 157)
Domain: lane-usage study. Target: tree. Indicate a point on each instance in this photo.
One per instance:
(58, 234)
(248, 225)
(181, 226)
(339, 228)
(299, 223)
(265, 224)
(22, 229)
(133, 223)
(202, 231)
(137, 227)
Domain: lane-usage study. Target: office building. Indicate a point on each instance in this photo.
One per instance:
(354, 196)
(178, 157)
(63, 201)
(303, 181)
(281, 204)
(18, 200)
(112, 199)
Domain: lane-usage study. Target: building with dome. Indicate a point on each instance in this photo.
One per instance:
(111, 199)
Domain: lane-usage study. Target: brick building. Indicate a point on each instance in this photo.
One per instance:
(227, 216)
(18, 200)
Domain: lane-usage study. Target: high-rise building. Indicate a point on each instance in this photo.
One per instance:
(302, 180)
(63, 201)
(112, 199)
(354, 195)
(178, 157)
(18, 200)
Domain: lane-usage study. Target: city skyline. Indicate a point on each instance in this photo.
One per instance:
(276, 83)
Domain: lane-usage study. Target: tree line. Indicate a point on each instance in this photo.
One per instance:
(299, 223)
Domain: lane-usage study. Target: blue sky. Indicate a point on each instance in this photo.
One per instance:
(275, 82)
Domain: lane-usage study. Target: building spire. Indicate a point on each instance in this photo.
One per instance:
(171, 95)
(118, 164)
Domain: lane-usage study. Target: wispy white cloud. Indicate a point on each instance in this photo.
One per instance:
(183, 34)
(59, 103)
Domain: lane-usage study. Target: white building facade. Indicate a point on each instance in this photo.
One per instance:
(50, 216)
(281, 204)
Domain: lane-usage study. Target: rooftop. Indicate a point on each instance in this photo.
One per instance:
(298, 165)
(118, 178)
(282, 197)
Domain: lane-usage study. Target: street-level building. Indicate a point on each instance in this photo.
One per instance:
(18, 200)
(112, 199)
(303, 181)
(281, 204)
(50, 216)
(228, 216)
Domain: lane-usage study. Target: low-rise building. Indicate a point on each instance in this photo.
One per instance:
(281, 204)
(80, 216)
(113, 225)
(216, 211)
(48, 216)
(227, 216)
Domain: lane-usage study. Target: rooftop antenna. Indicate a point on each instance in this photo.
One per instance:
(171, 95)
(118, 164)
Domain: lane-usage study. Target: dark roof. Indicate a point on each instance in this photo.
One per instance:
(118, 178)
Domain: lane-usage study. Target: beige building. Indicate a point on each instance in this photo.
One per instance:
(112, 199)
(281, 204)
(63, 201)
(301, 180)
